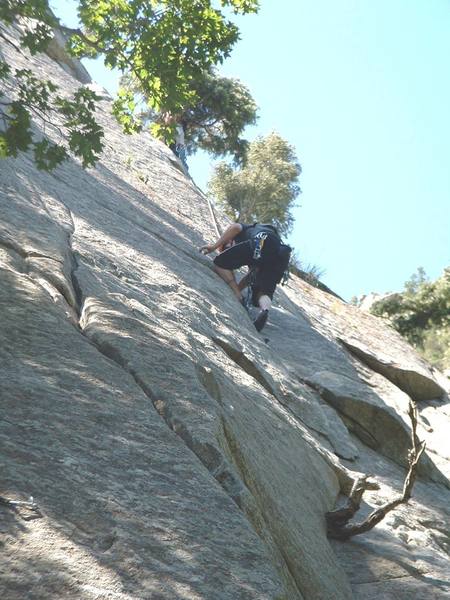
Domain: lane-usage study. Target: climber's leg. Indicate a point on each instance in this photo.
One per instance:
(230, 259)
(228, 276)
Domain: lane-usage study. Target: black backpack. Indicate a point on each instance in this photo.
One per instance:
(284, 252)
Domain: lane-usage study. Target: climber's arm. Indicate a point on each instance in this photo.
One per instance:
(229, 234)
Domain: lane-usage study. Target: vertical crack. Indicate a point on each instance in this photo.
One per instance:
(256, 517)
(74, 266)
(238, 357)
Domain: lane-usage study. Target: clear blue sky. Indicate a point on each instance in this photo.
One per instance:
(361, 89)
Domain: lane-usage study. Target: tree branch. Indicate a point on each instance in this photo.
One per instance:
(96, 46)
(337, 520)
(83, 36)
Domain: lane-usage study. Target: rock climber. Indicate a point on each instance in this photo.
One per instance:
(259, 247)
(178, 146)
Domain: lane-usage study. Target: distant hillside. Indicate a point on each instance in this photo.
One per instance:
(421, 314)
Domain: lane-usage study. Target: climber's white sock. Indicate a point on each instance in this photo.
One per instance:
(264, 302)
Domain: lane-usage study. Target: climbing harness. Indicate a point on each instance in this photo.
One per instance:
(259, 238)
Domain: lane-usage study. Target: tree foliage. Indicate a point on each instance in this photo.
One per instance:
(165, 46)
(265, 188)
(421, 314)
(220, 110)
(216, 122)
(32, 97)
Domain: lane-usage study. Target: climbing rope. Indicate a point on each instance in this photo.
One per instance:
(211, 211)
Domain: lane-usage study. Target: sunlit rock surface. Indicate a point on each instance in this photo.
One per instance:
(173, 451)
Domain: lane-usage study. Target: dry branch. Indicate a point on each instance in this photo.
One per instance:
(338, 526)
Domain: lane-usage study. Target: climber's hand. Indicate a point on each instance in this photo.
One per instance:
(207, 249)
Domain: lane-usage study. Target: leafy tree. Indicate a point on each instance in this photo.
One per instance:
(421, 313)
(216, 122)
(265, 188)
(221, 108)
(32, 97)
(417, 279)
(436, 346)
(163, 45)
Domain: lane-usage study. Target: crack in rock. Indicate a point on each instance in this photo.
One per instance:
(245, 364)
(11, 245)
(209, 455)
(256, 517)
(415, 384)
(388, 433)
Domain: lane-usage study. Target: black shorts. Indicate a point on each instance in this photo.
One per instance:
(265, 284)
(236, 256)
(242, 255)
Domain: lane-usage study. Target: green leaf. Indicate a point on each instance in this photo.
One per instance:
(48, 155)
(5, 70)
(3, 146)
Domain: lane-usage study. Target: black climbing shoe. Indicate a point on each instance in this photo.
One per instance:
(261, 320)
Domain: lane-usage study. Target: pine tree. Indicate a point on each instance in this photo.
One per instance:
(265, 188)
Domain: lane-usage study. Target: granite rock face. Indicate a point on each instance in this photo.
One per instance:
(174, 453)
